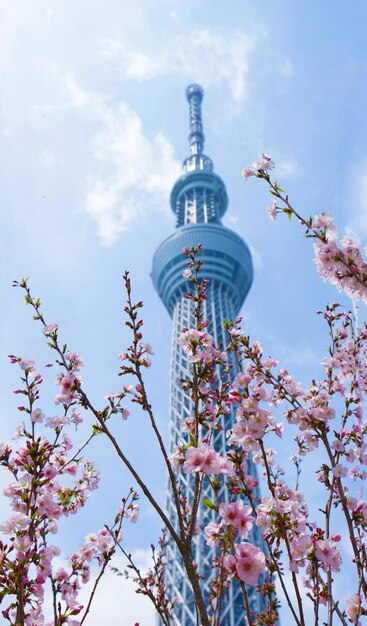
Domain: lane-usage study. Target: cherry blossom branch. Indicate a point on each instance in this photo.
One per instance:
(101, 417)
(284, 395)
(360, 565)
(284, 537)
(96, 583)
(153, 580)
(282, 516)
(143, 399)
(114, 532)
(351, 275)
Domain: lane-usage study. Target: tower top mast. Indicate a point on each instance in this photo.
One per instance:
(194, 95)
(197, 160)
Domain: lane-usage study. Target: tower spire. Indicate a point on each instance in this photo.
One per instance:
(199, 195)
(197, 159)
(194, 95)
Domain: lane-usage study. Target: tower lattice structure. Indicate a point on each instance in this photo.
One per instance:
(199, 200)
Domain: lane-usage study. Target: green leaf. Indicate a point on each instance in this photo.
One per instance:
(209, 504)
(97, 430)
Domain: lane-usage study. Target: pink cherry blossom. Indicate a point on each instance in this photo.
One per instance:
(353, 608)
(134, 513)
(37, 416)
(203, 458)
(272, 210)
(50, 329)
(327, 552)
(249, 562)
(237, 514)
(212, 531)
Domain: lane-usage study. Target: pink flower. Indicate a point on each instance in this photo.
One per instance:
(85, 574)
(194, 460)
(266, 162)
(212, 531)
(49, 472)
(147, 348)
(50, 329)
(300, 547)
(203, 458)
(237, 514)
(76, 361)
(68, 384)
(212, 464)
(176, 460)
(250, 562)
(27, 366)
(187, 273)
(339, 471)
(250, 481)
(197, 344)
(124, 413)
(327, 552)
(37, 416)
(134, 513)
(17, 522)
(104, 540)
(272, 210)
(353, 608)
(249, 171)
(22, 543)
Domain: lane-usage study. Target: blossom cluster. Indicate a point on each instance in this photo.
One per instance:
(265, 164)
(340, 263)
(282, 515)
(49, 483)
(237, 395)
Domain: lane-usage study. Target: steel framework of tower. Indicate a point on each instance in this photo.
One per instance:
(199, 200)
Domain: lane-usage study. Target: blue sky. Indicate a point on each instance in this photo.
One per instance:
(93, 129)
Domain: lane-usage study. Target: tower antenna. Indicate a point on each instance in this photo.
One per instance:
(195, 94)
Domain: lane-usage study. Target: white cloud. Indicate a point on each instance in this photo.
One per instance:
(175, 17)
(72, 95)
(288, 168)
(295, 355)
(79, 97)
(301, 356)
(135, 64)
(115, 602)
(286, 68)
(233, 219)
(134, 173)
(199, 54)
(256, 257)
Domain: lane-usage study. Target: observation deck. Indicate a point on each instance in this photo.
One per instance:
(226, 259)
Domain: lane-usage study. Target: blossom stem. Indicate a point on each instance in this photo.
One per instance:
(357, 557)
(147, 406)
(285, 538)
